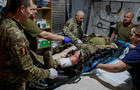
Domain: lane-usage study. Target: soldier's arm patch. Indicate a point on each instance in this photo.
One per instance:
(23, 51)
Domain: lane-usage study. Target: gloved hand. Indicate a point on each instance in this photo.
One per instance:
(67, 39)
(125, 44)
(53, 73)
(79, 41)
(121, 42)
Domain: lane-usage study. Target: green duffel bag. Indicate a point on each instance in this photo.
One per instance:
(98, 41)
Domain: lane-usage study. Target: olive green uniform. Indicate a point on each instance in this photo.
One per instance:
(31, 31)
(16, 63)
(73, 30)
(123, 32)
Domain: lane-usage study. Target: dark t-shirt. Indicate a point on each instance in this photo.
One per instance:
(133, 59)
(123, 32)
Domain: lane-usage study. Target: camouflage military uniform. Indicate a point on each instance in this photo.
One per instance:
(87, 50)
(15, 60)
(100, 41)
(90, 45)
(73, 30)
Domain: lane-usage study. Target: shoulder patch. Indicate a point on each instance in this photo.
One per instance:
(23, 51)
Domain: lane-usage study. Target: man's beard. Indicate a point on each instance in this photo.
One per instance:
(79, 23)
(126, 23)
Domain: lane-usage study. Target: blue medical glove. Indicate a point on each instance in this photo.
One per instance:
(120, 42)
(67, 40)
(127, 44)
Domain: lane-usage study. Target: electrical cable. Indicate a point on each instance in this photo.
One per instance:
(135, 19)
(118, 11)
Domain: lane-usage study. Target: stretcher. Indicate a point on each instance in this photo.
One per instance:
(72, 74)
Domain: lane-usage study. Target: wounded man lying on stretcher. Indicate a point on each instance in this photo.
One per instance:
(82, 52)
(90, 46)
(78, 55)
(85, 50)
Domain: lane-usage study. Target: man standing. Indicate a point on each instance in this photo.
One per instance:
(123, 28)
(32, 32)
(74, 27)
(16, 57)
(130, 62)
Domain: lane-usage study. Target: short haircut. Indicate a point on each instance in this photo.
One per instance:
(34, 2)
(13, 5)
(130, 13)
(79, 12)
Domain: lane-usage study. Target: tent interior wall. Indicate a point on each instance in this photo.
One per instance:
(101, 15)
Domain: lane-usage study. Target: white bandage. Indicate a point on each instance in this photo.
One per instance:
(65, 62)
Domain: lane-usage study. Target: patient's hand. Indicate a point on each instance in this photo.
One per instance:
(75, 58)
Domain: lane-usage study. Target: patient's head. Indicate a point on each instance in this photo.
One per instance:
(74, 56)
